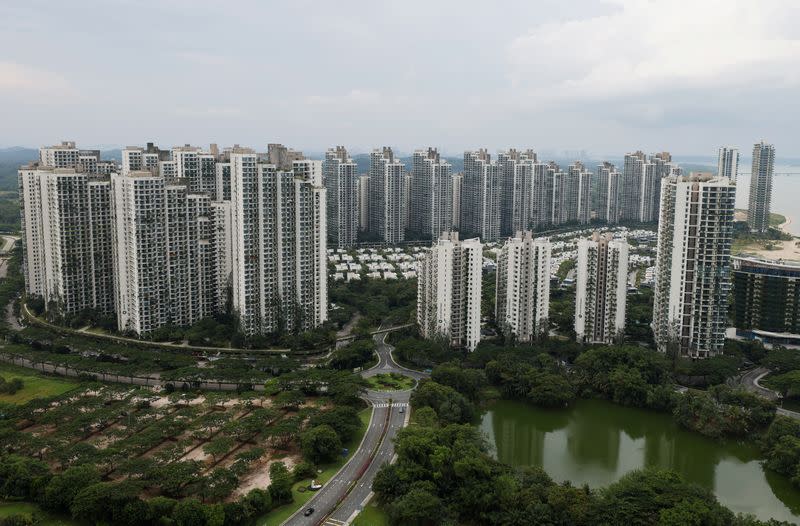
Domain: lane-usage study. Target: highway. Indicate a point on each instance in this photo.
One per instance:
(340, 500)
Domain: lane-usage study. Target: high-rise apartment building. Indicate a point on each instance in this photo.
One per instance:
(449, 291)
(514, 176)
(136, 158)
(340, 174)
(430, 210)
(387, 196)
(693, 264)
(480, 196)
(608, 179)
(458, 182)
(164, 254)
(766, 299)
(728, 162)
(761, 187)
(66, 237)
(282, 157)
(629, 201)
(522, 300)
(278, 245)
(601, 288)
(363, 203)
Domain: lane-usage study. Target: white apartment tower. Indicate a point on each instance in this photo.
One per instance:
(449, 291)
(430, 195)
(480, 196)
(600, 294)
(164, 253)
(387, 196)
(693, 262)
(629, 203)
(340, 174)
(522, 303)
(458, 182)
(66, 237)
(514, 176)
(363, 203)
(278, 245)
(728, 162)
(608, 179)
(761, 187)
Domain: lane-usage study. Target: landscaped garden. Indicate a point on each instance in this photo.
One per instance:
(391, 382)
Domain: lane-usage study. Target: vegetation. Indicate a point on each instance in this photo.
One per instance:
(380, 302)
(19, 385)
(357, 354)
(722, 411)
(781, 447)
(444, 475)
(132, 456)
(390, 382)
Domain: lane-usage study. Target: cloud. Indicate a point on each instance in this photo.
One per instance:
(28, 83)
(355, 97)
(645, 47)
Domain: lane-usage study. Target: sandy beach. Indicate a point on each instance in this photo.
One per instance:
(789, 250)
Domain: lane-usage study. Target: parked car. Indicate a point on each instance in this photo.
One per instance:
(308, 512)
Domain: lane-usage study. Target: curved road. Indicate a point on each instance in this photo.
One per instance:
(342, 497)
(750, 381)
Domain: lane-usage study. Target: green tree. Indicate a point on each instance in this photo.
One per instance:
(189, 512)
(63, 487)
(280, 487)
(417, 507)
(320, 444)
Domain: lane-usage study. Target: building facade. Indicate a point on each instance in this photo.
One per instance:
(608, 179)
(387, 196)
(602, 285)
(449, 291)
(278, 246)
(480, 196)
(766, 298)
(728, 162)
(522, 301)
(761, 187)
(340, 174)
(430, 209)
(693, 264)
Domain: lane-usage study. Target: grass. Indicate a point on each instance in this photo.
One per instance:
(27, 509)
(371, 515)
(34, 385)
(776, 219)
(390, 382)
(279, 515)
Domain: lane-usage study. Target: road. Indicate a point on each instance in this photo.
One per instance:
(340, 500)
(750, 381)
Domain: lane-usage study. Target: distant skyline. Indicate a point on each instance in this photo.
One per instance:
(687, 76)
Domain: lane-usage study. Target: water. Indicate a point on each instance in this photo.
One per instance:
(596, 442)
(785, 193)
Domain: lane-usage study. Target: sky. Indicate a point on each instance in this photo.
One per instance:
(603, 76)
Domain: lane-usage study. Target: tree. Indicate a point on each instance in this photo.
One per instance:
(320, 444)
(280, 487)
(449, 404)
(343, 419)
(189, 512)
(219, 446)
(417, 507)
(63, 487)
(103, 502)
(20, 477)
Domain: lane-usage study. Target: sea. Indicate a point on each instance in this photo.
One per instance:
(785, 193)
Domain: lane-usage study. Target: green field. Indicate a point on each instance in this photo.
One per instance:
(390, 382)
(27, 509)
(35, 385)
(278, 515)
(776, 219)
(372, 515)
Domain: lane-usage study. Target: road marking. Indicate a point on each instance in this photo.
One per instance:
(333, 522)
(396, 404)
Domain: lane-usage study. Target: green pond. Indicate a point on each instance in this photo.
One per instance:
(595, 442)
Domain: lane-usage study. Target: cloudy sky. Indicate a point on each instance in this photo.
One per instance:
(602, 76)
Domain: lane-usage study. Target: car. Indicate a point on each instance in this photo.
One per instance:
(308, 512)
(402, 409)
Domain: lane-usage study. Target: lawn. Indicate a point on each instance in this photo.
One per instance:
(278, 515)
(8, 509)
(371, 515)
(776, 219)
(35, 385)
(390, 382)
